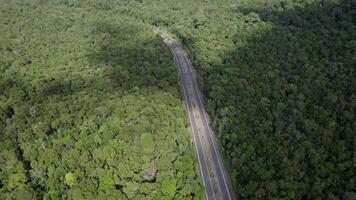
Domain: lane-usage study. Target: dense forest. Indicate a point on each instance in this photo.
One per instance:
(279, 80)
(90, 108)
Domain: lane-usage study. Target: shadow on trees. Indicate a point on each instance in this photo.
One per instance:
(124, 57)
(137, 59)
(284, 103)
(126, 66)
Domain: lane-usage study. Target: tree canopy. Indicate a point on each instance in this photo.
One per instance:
(90, 108)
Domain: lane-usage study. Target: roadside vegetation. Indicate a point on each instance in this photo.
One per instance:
(89, 102)
(279, 81)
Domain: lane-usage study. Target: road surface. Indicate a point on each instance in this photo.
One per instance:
(212, 171)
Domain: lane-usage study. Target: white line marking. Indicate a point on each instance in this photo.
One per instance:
(191, 121)
(205, 118)
(218, 156)
(186, 67)
(185, 94)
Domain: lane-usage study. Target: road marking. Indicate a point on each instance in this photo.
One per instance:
(184, 66)
(208, 127)
(211, 185)
(191, 121)
(218, 156)
(189, 99)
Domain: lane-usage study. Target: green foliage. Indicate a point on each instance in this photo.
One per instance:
(278, 77)
(147, 143)
(169, 188)
(86, 88)
(87, 93)
(131, 189)
(69, 179)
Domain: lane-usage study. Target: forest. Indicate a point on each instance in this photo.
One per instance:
(90, 106)
(279, 81)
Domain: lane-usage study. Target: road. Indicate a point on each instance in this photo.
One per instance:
(213, 174)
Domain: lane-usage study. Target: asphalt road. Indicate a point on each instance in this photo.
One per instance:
(212, 171)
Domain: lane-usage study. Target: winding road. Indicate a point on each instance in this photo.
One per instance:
(213, 174)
